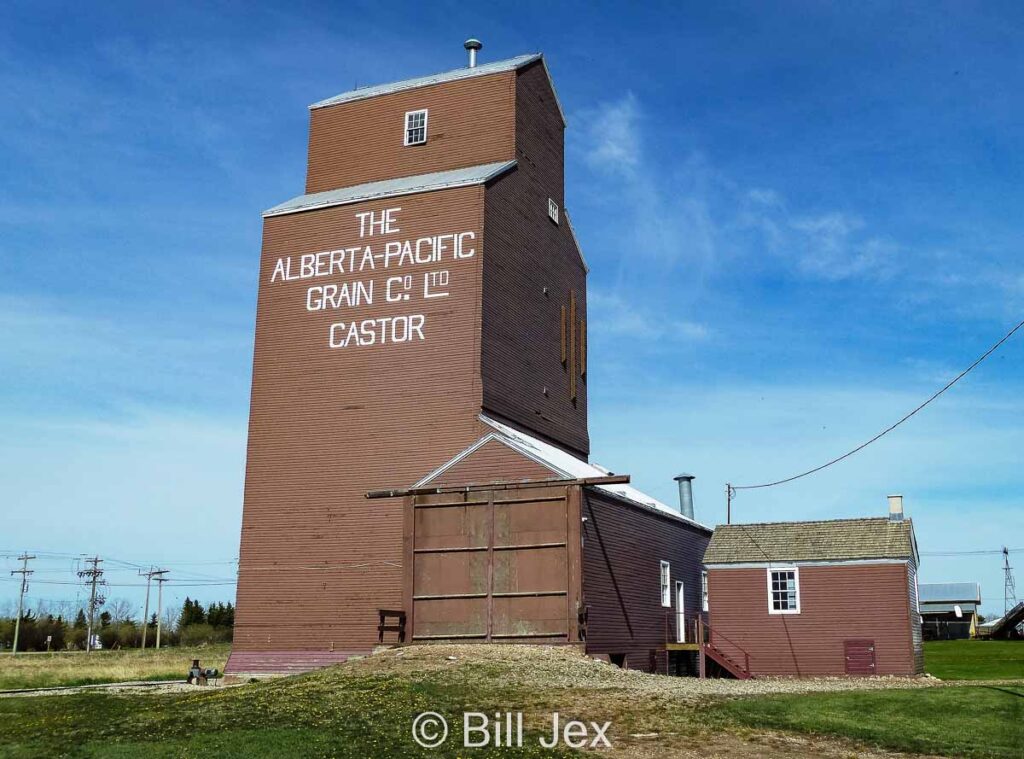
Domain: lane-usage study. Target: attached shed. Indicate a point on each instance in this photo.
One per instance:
(516, 540)
(949, 610)
(817, 598)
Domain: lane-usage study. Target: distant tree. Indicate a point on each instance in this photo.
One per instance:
(192, 613)
(105, 619)
(121, 610)
(80, 621)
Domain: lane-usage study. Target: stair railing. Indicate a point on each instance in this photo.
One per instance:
(714, 634)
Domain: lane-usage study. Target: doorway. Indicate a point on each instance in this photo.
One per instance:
(680, 613)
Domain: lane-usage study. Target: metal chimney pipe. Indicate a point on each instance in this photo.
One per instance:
(685, 494)
(472, 45)
(895, 508)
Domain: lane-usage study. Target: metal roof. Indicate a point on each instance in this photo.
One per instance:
(497, 67)
(563, 464)
(827, 540)
(439, 180)
(949, 592)
(932, 607)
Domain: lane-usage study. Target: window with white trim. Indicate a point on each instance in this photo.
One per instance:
(666, 584)
(416, 127)
(704, 590)
(553, 210)
(784, 591)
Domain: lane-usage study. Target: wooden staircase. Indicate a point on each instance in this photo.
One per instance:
(698, 636)
(726, 662)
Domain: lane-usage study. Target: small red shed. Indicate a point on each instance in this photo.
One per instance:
(829, 597)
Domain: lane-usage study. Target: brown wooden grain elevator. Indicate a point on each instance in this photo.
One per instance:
(422, 327)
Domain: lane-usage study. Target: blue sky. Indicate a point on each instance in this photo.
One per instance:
(801, 220)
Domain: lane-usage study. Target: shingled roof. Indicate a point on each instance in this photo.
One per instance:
(827, 540)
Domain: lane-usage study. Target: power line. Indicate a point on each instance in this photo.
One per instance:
(971, 553)
(889, 429)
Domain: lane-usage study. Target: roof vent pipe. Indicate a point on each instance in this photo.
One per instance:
(472, 45)
(895, 508)
(685, 494)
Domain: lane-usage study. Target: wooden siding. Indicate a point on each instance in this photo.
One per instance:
(837, 603)
(531, 271)
(326, 425)
(470, 122)
(623, 547)
(493, 565)
(492, 462)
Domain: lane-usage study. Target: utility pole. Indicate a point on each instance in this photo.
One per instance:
(145, 615)
(24, 572)
(159, 607)
(1009, 587)
(730, 493)
(94, 577)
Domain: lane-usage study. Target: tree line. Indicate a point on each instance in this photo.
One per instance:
(115, 626)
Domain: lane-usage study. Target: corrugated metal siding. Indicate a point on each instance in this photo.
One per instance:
(526, 253)
(317, 559)
(469, 122)
(837, 603)
(623, 547)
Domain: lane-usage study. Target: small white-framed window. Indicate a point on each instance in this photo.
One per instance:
(666, 584)
(704, 590)
(784, 590)
(416, 127)
(553, 210)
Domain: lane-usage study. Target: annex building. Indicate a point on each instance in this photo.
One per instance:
(421, 338)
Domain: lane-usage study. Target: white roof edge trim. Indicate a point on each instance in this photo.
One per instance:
(495, 67)
(560, 461)
(391, 188)
(490, 436)
(802, 563)
(576, 241)
(551, 84)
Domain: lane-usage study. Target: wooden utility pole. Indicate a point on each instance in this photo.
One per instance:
(24, 572)
(145, 615)
(94, 575)
(730, 493)
(159, 606)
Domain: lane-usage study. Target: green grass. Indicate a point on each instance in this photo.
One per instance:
(32, 670)
(365, 709)
(322, 714)
(975, 659)
(975, 721)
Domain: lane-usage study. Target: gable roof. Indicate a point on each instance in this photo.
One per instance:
(495, 67)
(561, 463)
(826, 540)
(949, 592)
(389, 188)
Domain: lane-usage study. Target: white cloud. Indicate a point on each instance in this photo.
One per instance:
(612, 315)
(679, 210)
(613, 136)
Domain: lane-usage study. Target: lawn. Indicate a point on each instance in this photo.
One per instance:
(366, 708)
(37, 670)
(975, 659)
(327, 713)
(970, 721)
